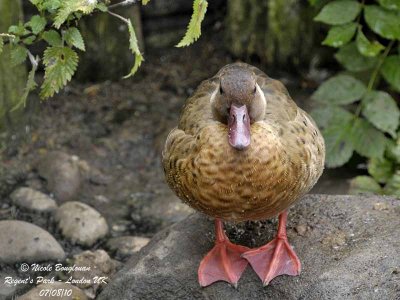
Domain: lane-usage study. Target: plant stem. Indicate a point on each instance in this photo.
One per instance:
(123, 3)
(374, 74)
(118, 16)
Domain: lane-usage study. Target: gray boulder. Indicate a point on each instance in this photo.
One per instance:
(28, 243)
(348, 246)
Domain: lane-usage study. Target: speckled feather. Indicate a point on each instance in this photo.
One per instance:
(283, 162)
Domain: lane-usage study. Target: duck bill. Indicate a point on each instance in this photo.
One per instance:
(239, 127)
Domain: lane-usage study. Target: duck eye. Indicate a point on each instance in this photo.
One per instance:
(255, 89)
(221, 91)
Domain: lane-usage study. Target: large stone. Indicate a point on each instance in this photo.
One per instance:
(62, 174)
(348, 249)
(81, 223)
(33, 200)
(28, 243)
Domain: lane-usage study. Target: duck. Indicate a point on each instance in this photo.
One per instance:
(243, 151)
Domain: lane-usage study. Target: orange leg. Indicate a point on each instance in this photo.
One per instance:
(224, 261)
(275, 258)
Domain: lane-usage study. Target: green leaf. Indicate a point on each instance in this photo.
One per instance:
(339, 147)
(383, 22)
(367, 140)
(1, 44)
(325, 116)
(393, 185)
(382, 111)
(60, 64)
(391, 71)
(381, 169)
(133, 45)
(101, 6)
(18, 30)
(18, 55)
(349, 57)
(393, 150)
(340, 89)
(30, 85)
(364, 185)
(37, 24)
(194, 29)
(339, 12)
(340, 35)
(74, 38)
(70, 6)
(52, 37)
(29, 40)
(144, 2)
(390, 4)
(365, 47)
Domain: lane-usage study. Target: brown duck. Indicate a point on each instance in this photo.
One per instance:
(242, 151)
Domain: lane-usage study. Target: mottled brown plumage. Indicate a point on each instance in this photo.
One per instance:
(282, 163)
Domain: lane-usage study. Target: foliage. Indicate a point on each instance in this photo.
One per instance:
(359, 109)
(56, 25)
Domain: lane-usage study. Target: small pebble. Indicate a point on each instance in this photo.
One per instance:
(381, 206)
(33, 200)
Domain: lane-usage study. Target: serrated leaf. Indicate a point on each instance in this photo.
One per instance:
(1, 44)
(367, 140)
(37, 24)
(194, 29)
(18, 55)
(391, 71)
(365, 47)
(364, 185)
(74, 38)
(339, 147)
(383, 22)
(349, 57)
(30, 85)
(340, 35)
(339, 12)
(390, 4)
(393, 185)
(18, 29)
(60, 64)
(52, 37)
(340, 89)
(381, 169)
(70, 6)
(133, 45)
(382, 111)
(325, 116)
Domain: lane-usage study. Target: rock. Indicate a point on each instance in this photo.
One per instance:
(381, 206)
(33, 200)
(301, 229)
(81, 223)
(7, 290)
(99, 265)
(362, 268)
(28, 243)
(166, 208)
(49, 291)
(124, 246)
(61, 172)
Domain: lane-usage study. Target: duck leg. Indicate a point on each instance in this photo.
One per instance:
(224, 261)
(275, 258)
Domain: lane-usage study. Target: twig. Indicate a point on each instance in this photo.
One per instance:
(123, 3)
(118, 16)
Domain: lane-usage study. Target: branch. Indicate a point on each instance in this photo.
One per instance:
(123, 3)
(118, 16)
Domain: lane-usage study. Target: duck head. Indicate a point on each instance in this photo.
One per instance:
(238, 102)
